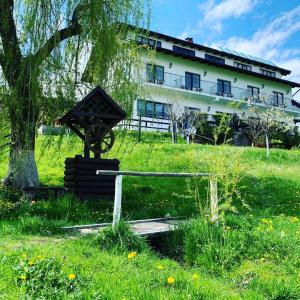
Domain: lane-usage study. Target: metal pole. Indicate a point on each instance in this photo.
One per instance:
(118, 199)
(214, 200)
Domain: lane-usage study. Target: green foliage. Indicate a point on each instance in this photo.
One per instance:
(44, 278)
(121, 238)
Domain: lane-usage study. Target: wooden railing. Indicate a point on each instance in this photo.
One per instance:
(118, 188)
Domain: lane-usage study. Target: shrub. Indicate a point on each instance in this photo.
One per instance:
(121, 238)
(43, 278)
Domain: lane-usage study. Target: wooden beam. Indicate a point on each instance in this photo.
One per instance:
(150, 174)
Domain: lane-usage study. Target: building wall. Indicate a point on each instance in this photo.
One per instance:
(204, 101)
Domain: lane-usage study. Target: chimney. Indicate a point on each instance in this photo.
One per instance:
(189, 39)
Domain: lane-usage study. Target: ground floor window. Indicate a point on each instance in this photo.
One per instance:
(152, 109)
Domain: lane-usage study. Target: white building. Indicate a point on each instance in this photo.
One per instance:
(188, 76)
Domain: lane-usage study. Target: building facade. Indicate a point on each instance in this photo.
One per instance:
(182, 76)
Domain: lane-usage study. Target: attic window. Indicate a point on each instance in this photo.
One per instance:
(183, 51)
(146, 41)
(215, 59)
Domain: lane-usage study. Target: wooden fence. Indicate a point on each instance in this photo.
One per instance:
(118, 188)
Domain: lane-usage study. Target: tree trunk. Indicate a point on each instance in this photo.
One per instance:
(22, 170)
(267, 146)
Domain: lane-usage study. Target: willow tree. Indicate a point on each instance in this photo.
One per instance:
(43, 48)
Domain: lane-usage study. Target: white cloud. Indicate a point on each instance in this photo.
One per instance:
(267, 41)
(226, 9)
(213, 14)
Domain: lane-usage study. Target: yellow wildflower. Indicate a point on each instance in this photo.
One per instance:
(132, 255)
(266, 221)
(23, 277)
(31, 263)
(160, 267)
(294, 219)
(72, 276)
(170, 280)
(195, 276)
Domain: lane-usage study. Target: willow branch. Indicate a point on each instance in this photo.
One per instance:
(71, 30)
(11, 49)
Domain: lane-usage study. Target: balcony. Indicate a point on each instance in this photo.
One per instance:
(209, 88)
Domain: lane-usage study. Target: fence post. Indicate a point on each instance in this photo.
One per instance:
(118, 200)
(140, 127)
(214, 200)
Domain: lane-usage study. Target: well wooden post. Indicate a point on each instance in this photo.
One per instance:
(118, 200)
(214, 200)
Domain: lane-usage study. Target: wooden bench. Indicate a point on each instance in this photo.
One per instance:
(58, 191)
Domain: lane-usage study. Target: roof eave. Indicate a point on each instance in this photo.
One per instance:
(232, 68)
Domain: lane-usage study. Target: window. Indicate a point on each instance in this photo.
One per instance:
(253, 92)
(146, 41)
(242, 66)
(267, 73)
(155, 73)
(152, 109)
(192, 81)
(215, 59)
(183, 51)
(224, 88)
(278, 99)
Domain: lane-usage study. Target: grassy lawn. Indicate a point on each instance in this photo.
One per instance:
(255, 254)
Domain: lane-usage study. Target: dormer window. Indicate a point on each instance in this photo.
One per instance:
(184, 51)
(242, 66)
(215, 59)
(267, 73)
(146, 41)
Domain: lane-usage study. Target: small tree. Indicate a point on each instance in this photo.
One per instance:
(268, 122)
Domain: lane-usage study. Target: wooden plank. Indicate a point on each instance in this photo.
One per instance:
(150, 174)
(140, 227)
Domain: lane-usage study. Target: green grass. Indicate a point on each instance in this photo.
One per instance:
(244, 261)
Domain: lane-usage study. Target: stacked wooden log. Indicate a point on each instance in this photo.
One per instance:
(81, 179)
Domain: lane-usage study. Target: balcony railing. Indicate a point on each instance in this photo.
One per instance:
(211, 88)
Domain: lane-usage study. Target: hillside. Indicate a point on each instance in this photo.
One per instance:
(253, 254)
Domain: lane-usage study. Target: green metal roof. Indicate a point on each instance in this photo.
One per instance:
(248, 56)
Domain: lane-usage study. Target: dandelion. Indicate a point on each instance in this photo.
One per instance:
(195, 276)
(294, 219)
(170, 280)
(160, 267)
(72, 276)
(132, 255)
(23, 277)
(31, 263)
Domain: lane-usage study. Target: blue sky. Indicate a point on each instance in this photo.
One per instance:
(268, 29)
